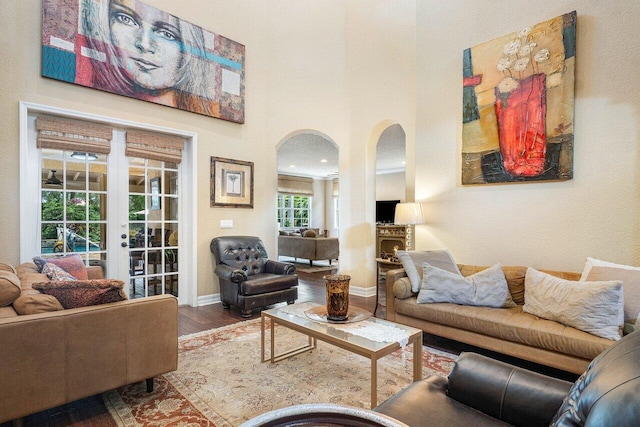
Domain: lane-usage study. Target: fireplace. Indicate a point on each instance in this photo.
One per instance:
(393, 237)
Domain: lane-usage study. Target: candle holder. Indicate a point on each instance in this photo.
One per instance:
(337, 296)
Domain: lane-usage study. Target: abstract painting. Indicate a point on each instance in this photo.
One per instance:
(130, 48)
(518, 96)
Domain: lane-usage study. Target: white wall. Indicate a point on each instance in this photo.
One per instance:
(328, 65)
(318, 201)
(381, 87)
(390, 186)
(547, 225)
(329, 210)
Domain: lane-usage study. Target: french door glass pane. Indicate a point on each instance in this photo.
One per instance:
(153, 228)
(73, 205)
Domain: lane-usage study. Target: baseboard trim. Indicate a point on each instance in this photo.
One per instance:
(359, 291)
(353, 290)
(208, 299)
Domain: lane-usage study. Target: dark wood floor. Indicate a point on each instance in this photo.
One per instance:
(90, 412)
(311, 288)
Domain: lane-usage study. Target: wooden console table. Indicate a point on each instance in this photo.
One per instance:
(383, 265)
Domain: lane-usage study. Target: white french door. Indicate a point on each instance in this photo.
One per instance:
(146, 202)
(119, 211)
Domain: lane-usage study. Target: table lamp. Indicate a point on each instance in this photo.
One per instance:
(408, 213)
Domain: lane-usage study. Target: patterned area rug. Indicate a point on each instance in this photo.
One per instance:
(220, 380)
(303, 265)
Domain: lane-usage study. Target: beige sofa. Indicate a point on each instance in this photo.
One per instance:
(505, 330)
(310, 248)
(54, 357)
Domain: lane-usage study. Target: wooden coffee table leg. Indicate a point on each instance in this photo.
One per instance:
(273, 339)
(417, 358)
(374, 382)
(262, 359)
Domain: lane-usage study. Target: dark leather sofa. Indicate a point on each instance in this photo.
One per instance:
(484, 392)
(248, 279)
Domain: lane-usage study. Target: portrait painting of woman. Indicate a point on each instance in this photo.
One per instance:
(133, 49)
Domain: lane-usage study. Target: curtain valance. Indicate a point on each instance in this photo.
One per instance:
(154, 146)
(295, 185)
(73, 135)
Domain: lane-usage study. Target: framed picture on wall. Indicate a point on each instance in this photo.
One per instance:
(231, 183)
(154, 183)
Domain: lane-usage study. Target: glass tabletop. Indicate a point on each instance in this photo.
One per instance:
(372, 334)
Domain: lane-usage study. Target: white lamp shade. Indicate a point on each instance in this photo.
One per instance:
(409, 214)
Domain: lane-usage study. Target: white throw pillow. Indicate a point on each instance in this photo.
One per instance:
(412, 263)
(486, 288)
(594, 307)
(594, 262)
(630, 277)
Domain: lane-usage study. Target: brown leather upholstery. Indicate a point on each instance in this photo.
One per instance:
(608, 393)
(248, 279)
(425, 403)
(49, 359)
(482, 391)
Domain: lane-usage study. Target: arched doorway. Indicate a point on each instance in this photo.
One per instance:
(391, 165)
(311, 158)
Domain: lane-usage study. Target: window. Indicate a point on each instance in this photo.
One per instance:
(294, 211)
(336, 212)
(73, 203)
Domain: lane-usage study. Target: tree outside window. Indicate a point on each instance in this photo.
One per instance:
(294, 211)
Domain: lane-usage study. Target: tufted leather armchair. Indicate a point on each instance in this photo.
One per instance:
(248, 279)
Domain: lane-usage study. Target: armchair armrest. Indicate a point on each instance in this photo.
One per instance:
(506, 392)
(276, 267)
(230, 273)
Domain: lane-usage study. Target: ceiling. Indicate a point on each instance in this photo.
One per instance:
(311, 154)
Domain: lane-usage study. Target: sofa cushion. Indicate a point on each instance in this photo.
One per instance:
(595, 308)
(509, 324)
(309, 233)
(513, 274)
(515, 277)
(53, 272)
(81, 293)
(7, 267)
(486, 288)
(33, 302)
(413, 261)
(594, 262)
(630, 277)
(72, 264)
(29, 278)
(7, 311)
(9, 287)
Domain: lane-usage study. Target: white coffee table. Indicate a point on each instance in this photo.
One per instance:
(293, 317)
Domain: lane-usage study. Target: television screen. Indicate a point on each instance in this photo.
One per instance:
(386, 211)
